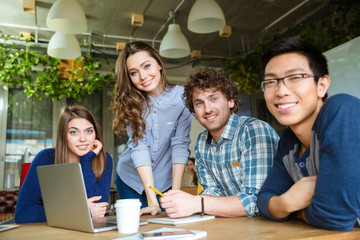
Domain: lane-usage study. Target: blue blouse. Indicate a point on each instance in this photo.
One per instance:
(165, 141)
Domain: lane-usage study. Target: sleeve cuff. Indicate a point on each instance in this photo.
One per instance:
(88, 156)
(179, 160)
(249, 204)
(264, 210)
(211, 192)
(140, 158)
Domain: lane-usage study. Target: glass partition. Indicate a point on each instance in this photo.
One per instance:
(28, 131)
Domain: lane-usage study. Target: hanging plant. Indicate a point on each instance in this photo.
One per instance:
(244, 71)
(340, 24)
(36, 72)
(246, 78)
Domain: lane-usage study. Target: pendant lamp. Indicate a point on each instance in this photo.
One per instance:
(206, 16)
(64, 46)
(67, 16)
(174, 44)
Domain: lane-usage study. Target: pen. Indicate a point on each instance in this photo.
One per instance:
(157, 191)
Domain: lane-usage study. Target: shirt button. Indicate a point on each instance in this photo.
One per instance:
(218, 150)
(226, 188)
(154, 151)
(302, 164)
(154, 111)
(156, 139)
(155, 125)
(219, 169)
(229, 165)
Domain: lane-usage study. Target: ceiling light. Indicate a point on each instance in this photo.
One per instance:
(63, 46)
(205, 16)
(137, 19)
(225, 31)
(67, 16)
(174, 44)
(29, 6)
(195, 54)
(120, 46)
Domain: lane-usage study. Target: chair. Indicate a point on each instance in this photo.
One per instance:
(199, 189)
(24, 170)
(8, 200)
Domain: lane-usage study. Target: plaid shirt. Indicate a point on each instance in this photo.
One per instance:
(239, 163)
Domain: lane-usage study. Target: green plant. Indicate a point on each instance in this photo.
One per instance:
(244, 71)
(37, 73)
(337, 24)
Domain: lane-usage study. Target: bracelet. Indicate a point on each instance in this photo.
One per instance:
(202, 206)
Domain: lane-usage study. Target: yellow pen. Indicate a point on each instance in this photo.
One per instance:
(157, 191)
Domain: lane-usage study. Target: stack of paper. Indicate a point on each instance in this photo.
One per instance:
(178, 221)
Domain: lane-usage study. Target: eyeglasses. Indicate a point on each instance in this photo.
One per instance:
(291, 81)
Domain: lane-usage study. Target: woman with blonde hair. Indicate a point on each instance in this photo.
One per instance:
(151, 111)
(78, 140)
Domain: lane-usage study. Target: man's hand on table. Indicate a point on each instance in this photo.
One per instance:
(180, 204)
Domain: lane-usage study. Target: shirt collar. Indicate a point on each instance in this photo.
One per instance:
(166, 94)
(228, 132)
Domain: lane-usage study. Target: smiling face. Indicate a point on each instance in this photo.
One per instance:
(212, 110)
(80, 138)
(297, 108)
(144, 73)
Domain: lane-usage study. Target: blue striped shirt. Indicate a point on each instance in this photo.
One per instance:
(239, 163)
(165, 142)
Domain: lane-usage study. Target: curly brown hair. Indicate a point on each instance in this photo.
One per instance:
(131, 105)
(210, 78)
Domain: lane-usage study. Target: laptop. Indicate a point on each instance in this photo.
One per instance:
(65, 200)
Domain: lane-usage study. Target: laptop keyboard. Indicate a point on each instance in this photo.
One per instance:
(104, 222)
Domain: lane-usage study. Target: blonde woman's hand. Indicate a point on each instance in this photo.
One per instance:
(152, 209)
(97, 147)
(97, 209)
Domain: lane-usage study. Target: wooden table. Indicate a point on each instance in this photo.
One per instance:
(220, 228)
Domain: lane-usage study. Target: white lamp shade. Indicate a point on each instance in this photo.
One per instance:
(206, 16)
(174, 44)
(67, 16)
(63, 46)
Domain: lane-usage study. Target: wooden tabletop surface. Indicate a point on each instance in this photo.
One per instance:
(219, 228)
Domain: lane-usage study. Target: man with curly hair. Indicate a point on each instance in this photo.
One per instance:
(233, 155)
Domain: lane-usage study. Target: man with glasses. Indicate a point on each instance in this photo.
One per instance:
(316, 171)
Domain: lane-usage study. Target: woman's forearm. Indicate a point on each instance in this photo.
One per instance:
(178, 173)
(146, 176)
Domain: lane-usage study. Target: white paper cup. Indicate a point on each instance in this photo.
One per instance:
(128, 215)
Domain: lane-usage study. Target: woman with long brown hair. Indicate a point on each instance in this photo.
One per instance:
(78, 140)
(151, 111)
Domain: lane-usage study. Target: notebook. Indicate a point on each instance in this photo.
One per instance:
(65, 200)
(178, 221)
(4, 227)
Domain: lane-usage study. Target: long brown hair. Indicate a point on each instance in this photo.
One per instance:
(67, 114)
(130, 105)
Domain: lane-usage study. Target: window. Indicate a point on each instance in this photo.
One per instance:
(28, 131)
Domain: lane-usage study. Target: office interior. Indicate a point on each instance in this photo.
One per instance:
(28, 125)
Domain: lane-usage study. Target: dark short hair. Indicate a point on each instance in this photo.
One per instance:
(317, 60)
(210, 78)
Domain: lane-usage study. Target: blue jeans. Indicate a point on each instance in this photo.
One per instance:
(126, 192)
